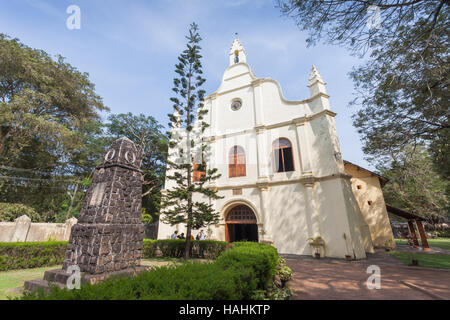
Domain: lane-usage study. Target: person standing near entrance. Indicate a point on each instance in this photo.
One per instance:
(201, 235)
(174, 235)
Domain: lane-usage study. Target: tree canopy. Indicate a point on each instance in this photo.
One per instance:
(402, 89)
(187, 201)
(152, 145)
(414, 184)
(49, 121)
(52, 136)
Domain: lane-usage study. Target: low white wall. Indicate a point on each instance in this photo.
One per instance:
(23, 230)
(7, 231)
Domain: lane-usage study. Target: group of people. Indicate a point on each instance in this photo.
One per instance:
(175, 235)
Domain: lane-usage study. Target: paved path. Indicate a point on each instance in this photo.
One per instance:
(341, 280)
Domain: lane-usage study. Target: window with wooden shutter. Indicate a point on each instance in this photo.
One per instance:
(283, 158)
(197, 173)
(236, 162)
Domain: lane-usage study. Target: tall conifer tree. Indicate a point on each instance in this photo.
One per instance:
(179, 206)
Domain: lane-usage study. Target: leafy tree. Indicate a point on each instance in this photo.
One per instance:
(152, 146)
(414, 184)
(185, 202)
(403, 88)
(48, 123)
(11, 211)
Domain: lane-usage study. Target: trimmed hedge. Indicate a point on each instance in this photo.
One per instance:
(236, 275)
(260, 258)
(23, 255)
(175, 248)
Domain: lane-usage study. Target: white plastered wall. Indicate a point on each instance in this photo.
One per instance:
(291, 207)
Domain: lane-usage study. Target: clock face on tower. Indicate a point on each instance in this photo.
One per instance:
(236, 105)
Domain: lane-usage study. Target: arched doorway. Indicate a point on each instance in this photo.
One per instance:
(241, 225)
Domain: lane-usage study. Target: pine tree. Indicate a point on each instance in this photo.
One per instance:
(183, 203)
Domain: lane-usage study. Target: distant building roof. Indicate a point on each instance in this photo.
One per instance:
(382, 179)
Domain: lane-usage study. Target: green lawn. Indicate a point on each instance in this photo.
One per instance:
(440, 261)
(15, 278)
(443, 243)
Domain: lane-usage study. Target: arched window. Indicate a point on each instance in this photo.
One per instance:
(236, 162)
(241, 213)
(282, 155)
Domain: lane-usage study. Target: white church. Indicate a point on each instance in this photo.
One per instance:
(283, 178)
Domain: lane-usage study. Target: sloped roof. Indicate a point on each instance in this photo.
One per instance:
(402, 213)
(382, 179)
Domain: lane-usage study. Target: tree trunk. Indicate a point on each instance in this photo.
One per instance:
(188, 243)
(187, 249)
(72, 198)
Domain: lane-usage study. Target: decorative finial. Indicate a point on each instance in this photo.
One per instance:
(237, 52)
(316, 84)
(314, 75)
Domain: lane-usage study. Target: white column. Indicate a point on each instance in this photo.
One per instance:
(311, 208)
(262, 155)
(208, 104)
(258, 102)
(265, 214)
(213, 115)
(303, 148)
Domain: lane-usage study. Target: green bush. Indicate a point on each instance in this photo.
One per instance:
(23, 255)
(11, 211)
(199, 248)
(233, 276)
(283, 271)
(443, 234)
(149, 248)
(260, 259)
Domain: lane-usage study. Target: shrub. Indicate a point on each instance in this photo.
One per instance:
(22, 255)
(260, 259)
(149, 248)
(199, 248)
(232, 276)
(443, 234)
(11, 211)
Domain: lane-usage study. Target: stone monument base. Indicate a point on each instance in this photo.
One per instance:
(59, 278)
(98, 248)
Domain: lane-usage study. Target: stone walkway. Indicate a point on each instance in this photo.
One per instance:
(338, 279)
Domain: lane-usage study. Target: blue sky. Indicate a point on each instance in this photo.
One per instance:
(129, 48)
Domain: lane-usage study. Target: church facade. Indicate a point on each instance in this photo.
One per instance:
(283, 179)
